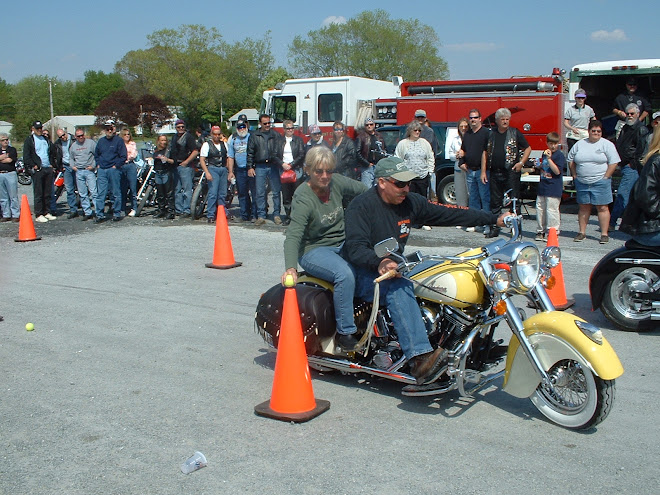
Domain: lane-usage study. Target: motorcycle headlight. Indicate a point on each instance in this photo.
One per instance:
(551, 256)
(499, 280)
(527, 268)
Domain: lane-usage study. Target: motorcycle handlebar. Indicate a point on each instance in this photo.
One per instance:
(386, 276)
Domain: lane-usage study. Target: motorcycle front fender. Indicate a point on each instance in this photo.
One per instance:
(607, 267)
(554, 336)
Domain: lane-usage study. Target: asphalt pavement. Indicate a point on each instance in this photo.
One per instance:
(141, 356)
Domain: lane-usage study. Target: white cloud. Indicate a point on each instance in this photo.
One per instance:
(609, 36)
(471, 47)
(333, 19)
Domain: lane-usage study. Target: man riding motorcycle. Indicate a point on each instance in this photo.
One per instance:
(388, 210)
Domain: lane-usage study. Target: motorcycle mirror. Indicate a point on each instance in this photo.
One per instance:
(385, 247)
(506, 200)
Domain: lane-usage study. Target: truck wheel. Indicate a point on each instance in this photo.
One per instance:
(445, 190)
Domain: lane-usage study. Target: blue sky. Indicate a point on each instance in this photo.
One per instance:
(479, 39)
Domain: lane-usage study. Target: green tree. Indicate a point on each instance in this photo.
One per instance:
(371, 44)
(194, 68)
(32, 103)
(94, 88)
(276, 76)
(7, 103)
(153, 113)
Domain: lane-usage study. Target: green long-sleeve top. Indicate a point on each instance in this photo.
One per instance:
(315, 223)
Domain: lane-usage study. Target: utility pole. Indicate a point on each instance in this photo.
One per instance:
(50, 92)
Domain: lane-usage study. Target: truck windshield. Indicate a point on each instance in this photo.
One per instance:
(284, 107)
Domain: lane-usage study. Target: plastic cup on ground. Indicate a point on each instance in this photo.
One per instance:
(197, 461)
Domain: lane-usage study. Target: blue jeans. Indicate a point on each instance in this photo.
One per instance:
(628, 178)
(272, 173)
(217, 190)
(401, 303)
(247, 193)
(129, 182)
(478, 192)
(108, 179)
(9, 195)
(325, 263)
(183, 189)
(367, 176)
(86, 180)
(70, 186)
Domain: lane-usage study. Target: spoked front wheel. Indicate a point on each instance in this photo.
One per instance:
(578, 400)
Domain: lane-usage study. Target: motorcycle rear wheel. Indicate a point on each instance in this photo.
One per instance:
(620, 307)
(143, 201)
(24, 179)
(198, 204)
(580, 399)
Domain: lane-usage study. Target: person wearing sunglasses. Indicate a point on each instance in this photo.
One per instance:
(39, 159)
(293, 155)
(183, 150)
(264, 163)
(316, 234)
(371, 148)
(9, 203)
(344, 149)
(388, 210)
(237, 166)
(110, 156)
(83, 164)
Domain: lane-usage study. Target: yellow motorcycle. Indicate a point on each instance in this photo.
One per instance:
(561, 362)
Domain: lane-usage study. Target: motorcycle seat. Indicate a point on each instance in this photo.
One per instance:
(633, 244)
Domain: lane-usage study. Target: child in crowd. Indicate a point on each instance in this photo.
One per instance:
(552, 165)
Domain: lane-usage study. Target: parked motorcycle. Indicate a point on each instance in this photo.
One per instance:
(24, 177)
(625, 285)
(558, 360)
(200, 193)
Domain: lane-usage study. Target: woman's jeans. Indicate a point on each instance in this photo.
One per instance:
(129, 182)
(325, 263)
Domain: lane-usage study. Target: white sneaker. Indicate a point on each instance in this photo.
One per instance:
(426, 227)
(50, 217)
(41, 219)
(469, 229)
(132, 213)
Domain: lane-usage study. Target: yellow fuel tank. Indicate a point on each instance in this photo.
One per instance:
(455, 284)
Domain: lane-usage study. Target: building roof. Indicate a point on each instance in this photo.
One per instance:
(252, 115)
(70, 122)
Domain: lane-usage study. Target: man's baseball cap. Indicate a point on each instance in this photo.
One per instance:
(109, 123)
(314, 129)
(243, 117)
(368, 120)
(631, 80)
(655, 115)
(580, 93)
(420, 113)
(395, 168)
(37, 124)
(179, 122)
(241, 124)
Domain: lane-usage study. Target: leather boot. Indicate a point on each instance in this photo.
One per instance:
(427, 364)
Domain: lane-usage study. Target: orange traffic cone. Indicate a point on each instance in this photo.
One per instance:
(26, 230)
(557, 292)
(292, 397)
(223, 254)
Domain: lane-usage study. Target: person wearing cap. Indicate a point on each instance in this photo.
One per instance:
(213, 160)
(264, 163)
(388, 210)
(427, 130)
(38, 159)
(315, 138)
(630, 95)
(83, 165)
(110, 156)
(183, 150)
(237, 165)
(577, 118)
(371, 148)
(243, 117)
(654, 123)
(9, 204)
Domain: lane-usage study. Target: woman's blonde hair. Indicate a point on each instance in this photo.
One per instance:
(654, 147)
(317, 156)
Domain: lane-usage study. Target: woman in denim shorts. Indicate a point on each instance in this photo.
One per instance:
(592, 162)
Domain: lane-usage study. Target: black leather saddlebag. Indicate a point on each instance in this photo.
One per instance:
(317, 314)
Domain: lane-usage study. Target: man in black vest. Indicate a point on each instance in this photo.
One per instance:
(213, 159)
(183, 149)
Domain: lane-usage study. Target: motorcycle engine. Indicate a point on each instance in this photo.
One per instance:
(445, 325)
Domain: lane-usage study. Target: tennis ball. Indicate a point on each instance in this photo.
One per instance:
(288, 281)
(29, 327)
